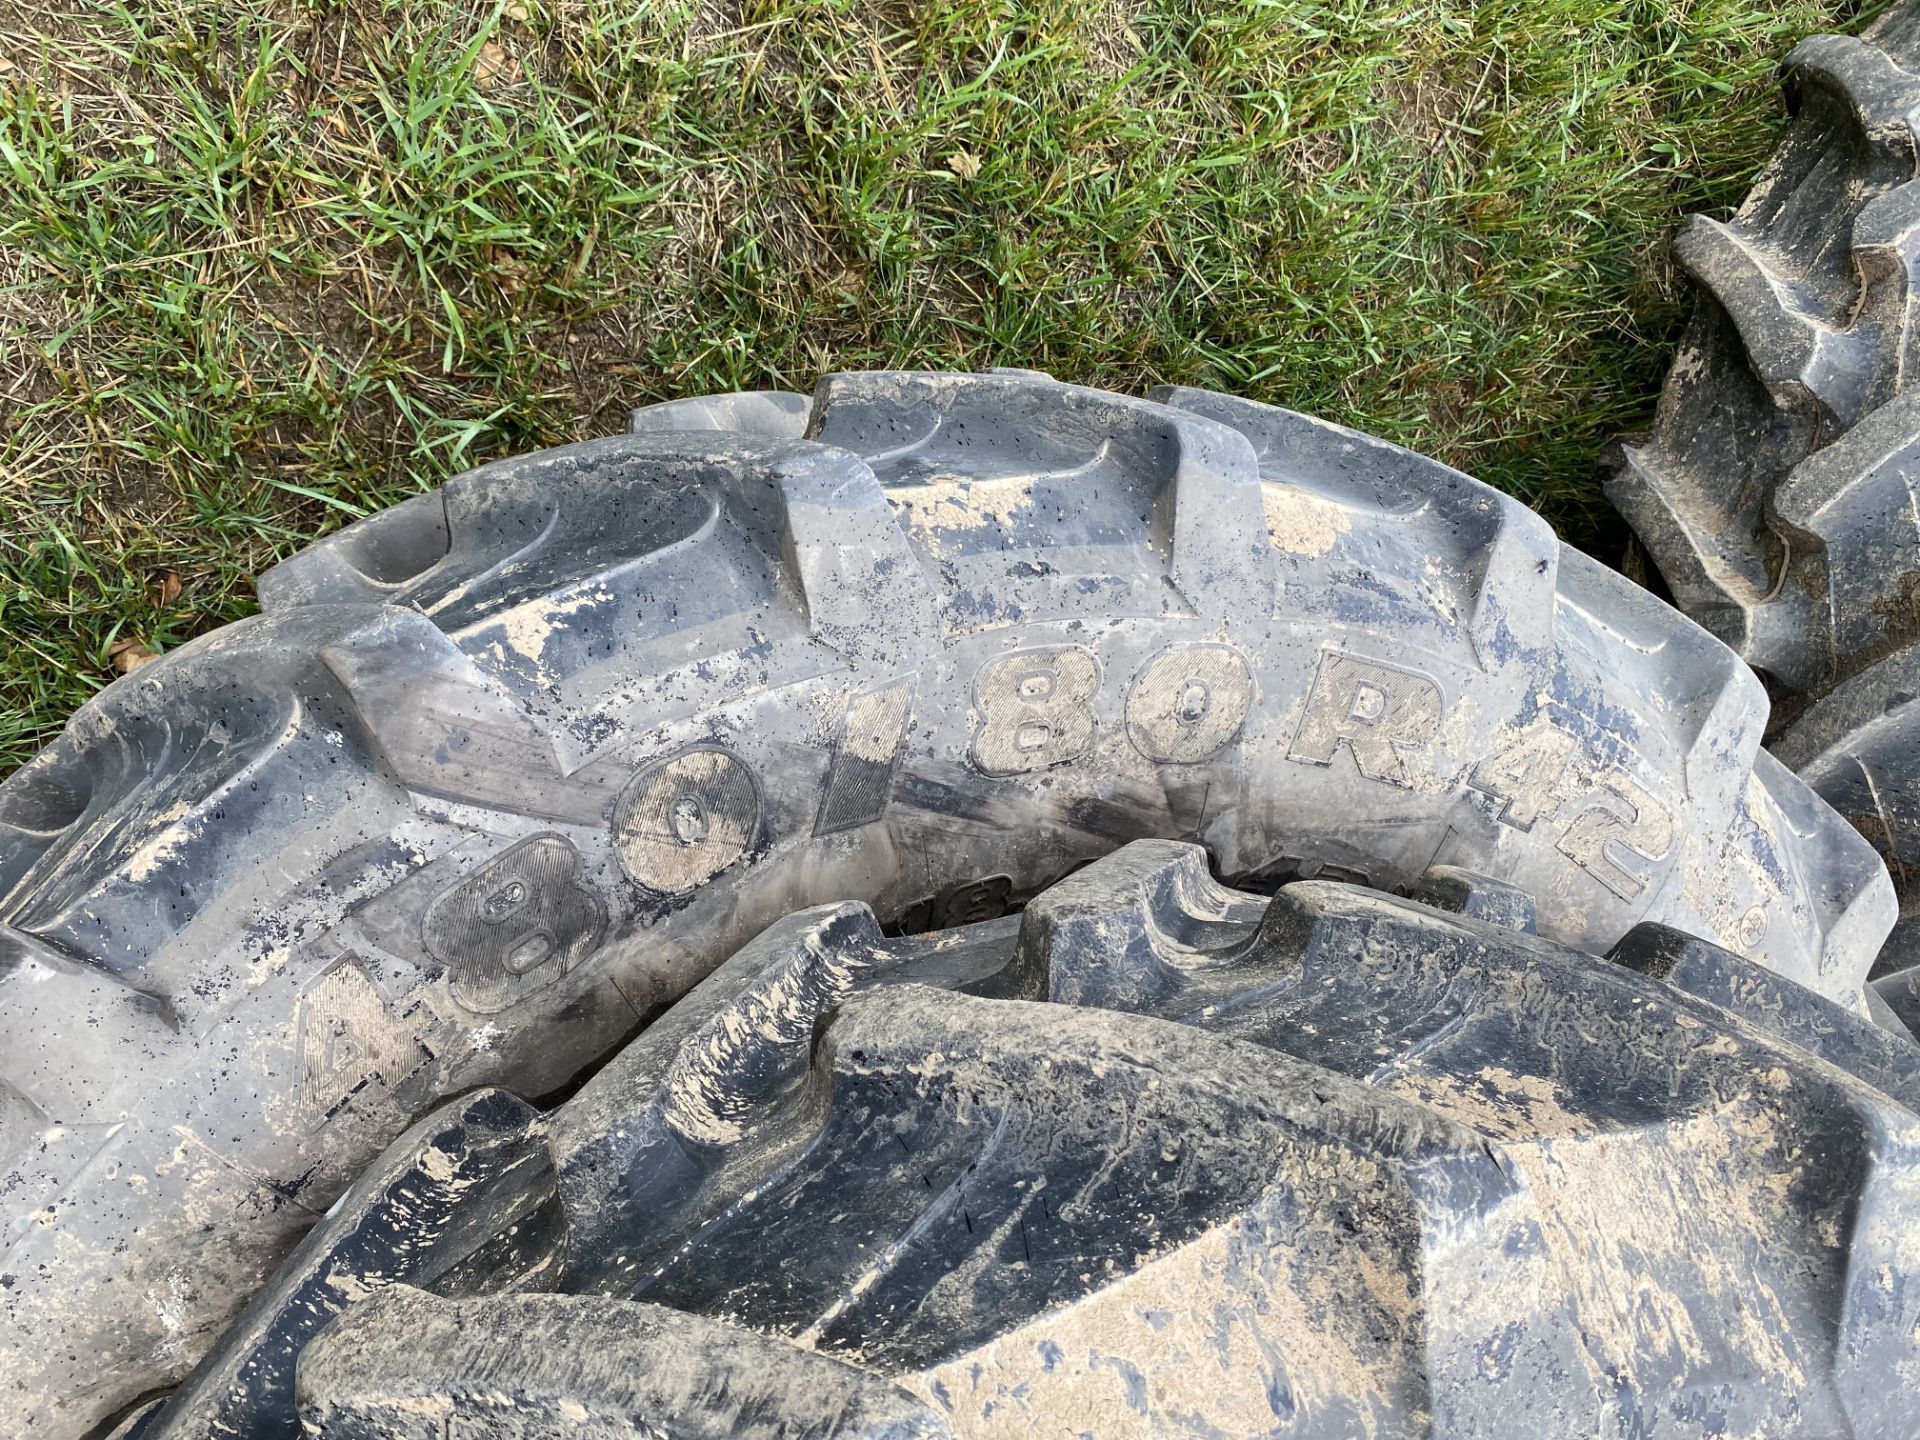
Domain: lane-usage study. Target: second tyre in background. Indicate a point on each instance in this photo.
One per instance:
(1779, 489)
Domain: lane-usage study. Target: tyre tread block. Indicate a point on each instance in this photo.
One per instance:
(956, 1192)
(454, 1181)
(504, 770)
(565, 1364)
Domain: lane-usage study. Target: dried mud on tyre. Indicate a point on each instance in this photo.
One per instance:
(1776, 489)
(502, 771)
(1156, 1158)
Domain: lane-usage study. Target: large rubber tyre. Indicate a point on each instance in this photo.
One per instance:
(1777, 489)
(503, 770)
(1156, 1159)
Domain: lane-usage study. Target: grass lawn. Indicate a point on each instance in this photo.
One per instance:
(266, 265)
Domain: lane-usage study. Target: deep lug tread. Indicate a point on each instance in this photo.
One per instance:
(442, 1190)
(691, 1079)
(1478, 897)
(650, 693)
(952, 1196)
(1851, 505)
(1803, 361)
(443, 726)
(1785, 1012)
(1189, 487)
(1713, 570)
(1775, 491)
(1854, 746)
(182, 778)
(369, 559)
(1508, 556)
(1146, 930)
(1807, 288)
(549, 1364)
(1878, 94)
(747, 412)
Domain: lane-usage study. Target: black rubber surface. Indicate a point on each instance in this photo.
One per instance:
(502, 771)
(1776, 491)
(1156, 1158)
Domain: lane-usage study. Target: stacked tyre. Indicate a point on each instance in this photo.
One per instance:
(1777, 489)
(1549, 1063)
(1154, 1158)
(1233, 929)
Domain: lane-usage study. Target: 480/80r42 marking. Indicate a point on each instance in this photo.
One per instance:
(505, 769)
(681, 821)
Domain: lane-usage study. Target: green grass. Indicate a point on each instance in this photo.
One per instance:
(266, 265)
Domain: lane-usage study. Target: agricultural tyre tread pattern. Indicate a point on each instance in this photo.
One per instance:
(1777, 491)
(1154, 1158)
(504, 770)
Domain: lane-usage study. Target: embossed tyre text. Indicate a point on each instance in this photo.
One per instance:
(503, 771)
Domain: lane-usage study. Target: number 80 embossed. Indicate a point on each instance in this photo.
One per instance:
(1032, 707)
